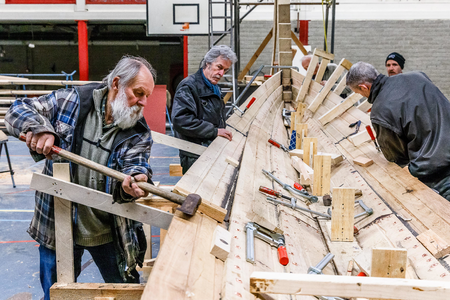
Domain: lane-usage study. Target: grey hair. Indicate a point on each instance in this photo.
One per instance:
(219, 51)
(127, 69)
(360, 73)
(305, 57)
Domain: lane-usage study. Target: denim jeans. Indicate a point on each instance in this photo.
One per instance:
(104, 257)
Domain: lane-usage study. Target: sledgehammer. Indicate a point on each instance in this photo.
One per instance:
(189, 205)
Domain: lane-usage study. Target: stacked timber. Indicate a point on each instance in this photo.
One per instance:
(407, 236)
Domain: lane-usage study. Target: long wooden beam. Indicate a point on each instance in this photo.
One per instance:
(44, 82)
(99, 200)
(348, 286)
(177, 143)
(77, 291)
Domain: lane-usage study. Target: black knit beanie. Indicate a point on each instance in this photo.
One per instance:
(397, 57)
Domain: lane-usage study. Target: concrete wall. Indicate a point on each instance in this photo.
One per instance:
(423, 43)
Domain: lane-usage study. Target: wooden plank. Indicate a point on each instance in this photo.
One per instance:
(307, 81)
(389, 262)
(348, 286)
(322, 68)
(301, 131)
(298, 43)
(89, 291)
(434, 243)
(63, 229)
(327, 88)
(163, 232)
(309, 150)
(363, 161)
(340, 108)
(23, 81)
(175, 170)
(251, 61)
(284, 31)
(341, 85)
(170, 272)
(342, 218)
(177, 143)
(335, 158)
(300, 112)
(322, 175)
(100, 200)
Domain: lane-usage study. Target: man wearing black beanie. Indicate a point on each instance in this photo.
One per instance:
(395, 63)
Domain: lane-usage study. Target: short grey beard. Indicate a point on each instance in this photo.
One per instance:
(123, 115)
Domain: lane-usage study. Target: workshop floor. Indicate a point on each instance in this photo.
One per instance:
(19, 260)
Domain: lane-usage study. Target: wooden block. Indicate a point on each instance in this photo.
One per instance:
(284, 30)
(322, 175)
(232, 161)
(335, 158)
(343, 210)
(323, 54)
(347, 286)
(286, 81)
(118, 291)
(301, 131)
(309, 151)
(434, 243)
(300, 112)
(221, 242)
(285, 59)
(64, 229)
(175, 170)
(346, 64)
(285, 44)
(363, 161)
(359, 138)
(302, 168)
(388, 262)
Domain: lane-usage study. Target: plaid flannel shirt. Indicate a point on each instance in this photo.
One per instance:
(58, 113)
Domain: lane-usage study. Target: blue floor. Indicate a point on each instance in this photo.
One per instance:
(19, 260)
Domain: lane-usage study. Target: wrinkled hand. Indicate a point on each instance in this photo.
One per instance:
(42, 143)
(323, 82)
(132, 188)
(225, 133)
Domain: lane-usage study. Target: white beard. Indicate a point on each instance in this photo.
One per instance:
(123, 115)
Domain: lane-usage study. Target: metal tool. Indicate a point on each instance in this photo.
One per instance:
(293, 205)
(236, 130)
(189, 204)
(278, 145)
(372, 137)
(357, 124)
(321, 265)
(367, 210)
(290, 189)
(274, 239)
(287, 115)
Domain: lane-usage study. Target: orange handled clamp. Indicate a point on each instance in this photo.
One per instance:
(278, 145)
(372, 136)
(250, 103)
(282, 255)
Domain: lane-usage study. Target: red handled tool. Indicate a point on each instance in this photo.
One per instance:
(299, 187)
(250, 103)
(372, 136)
(278, 145)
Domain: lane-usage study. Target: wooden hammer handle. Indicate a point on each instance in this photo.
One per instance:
(114, 174)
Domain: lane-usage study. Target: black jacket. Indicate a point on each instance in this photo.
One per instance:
(197, 112)
(412, 120)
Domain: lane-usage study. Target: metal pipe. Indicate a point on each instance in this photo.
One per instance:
(298, 207)
(333, 19)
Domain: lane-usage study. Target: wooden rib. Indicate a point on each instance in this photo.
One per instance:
(340, 108)
(322, 68)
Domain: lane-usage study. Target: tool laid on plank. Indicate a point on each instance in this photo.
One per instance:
(274, 239)
(287, 115)
(189, 204)
(318, 270)
(236, 130)
(278, 145)
(294, 205)
(290, 189)
(357, 124)
(250, 103)
(367, 210)
(372, 137)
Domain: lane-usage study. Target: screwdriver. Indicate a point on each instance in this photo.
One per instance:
(278, 145)
(372, 136)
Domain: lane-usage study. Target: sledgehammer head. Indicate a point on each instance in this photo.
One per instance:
(190, 204)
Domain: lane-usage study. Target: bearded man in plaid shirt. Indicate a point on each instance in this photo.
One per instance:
(104, 123)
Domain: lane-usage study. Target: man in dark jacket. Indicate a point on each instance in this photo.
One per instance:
(103, 123)
(410, 117)
(198, 110)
